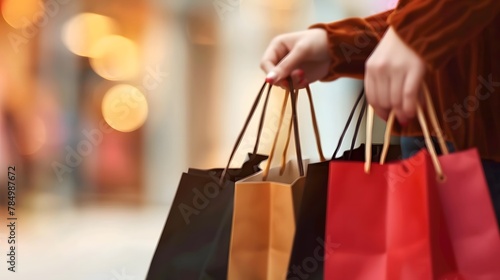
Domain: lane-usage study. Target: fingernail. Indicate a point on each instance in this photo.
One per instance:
(271, 77)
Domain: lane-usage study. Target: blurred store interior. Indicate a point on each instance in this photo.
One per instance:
(103, 105)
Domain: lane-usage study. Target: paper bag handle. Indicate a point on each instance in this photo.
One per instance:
(265, 173)
(348, 123)
(434, 122)
(293, 97)
(315, 130)
(315, 124)
(245, 126)
(425, 131)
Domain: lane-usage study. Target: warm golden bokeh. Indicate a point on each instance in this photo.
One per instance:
(115, 58)
(105, 104)
(124, 108)
(82, 31)
(18, 14)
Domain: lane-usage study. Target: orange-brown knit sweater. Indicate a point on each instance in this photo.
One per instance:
(460, 42)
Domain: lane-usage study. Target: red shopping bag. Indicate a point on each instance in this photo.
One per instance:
(469, 215)
(468, 210)
(386, 224)
(421, 218)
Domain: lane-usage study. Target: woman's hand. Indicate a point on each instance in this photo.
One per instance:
(303, 55)
(393, 78)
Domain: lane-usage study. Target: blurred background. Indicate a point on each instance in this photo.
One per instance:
(103, 105)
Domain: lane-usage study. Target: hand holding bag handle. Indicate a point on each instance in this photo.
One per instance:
(417, 250)
(261, 123)
(468, 218)
(432, 116)
(425, 131)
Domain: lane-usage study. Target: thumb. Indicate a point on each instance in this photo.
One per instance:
(285, 67)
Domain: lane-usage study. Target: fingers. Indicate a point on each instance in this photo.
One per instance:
(289, 63)
(370, 85)
(382, 113)
(394, 73)
(377, 85)
(402, 97)
(410, 92)
(284, 54)
(282, 59)
(305, 50)
(393, 88)
(298, 78)
(396, 96)
(276, 51)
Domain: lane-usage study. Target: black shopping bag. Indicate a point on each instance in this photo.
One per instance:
(195, 240)
(198, 225)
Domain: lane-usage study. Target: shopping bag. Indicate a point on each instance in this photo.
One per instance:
(194, 243)
(307, 258)
(470, 217)
(264, 224)
(266, 206)
(468, 211)
(385, 221)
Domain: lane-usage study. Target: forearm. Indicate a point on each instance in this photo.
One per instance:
(351, 41)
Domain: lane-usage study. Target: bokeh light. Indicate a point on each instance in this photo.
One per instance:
(81, 32)
(115, 58)
(124, 108)
(18, 14)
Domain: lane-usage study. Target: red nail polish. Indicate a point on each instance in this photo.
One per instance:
(269, 80)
